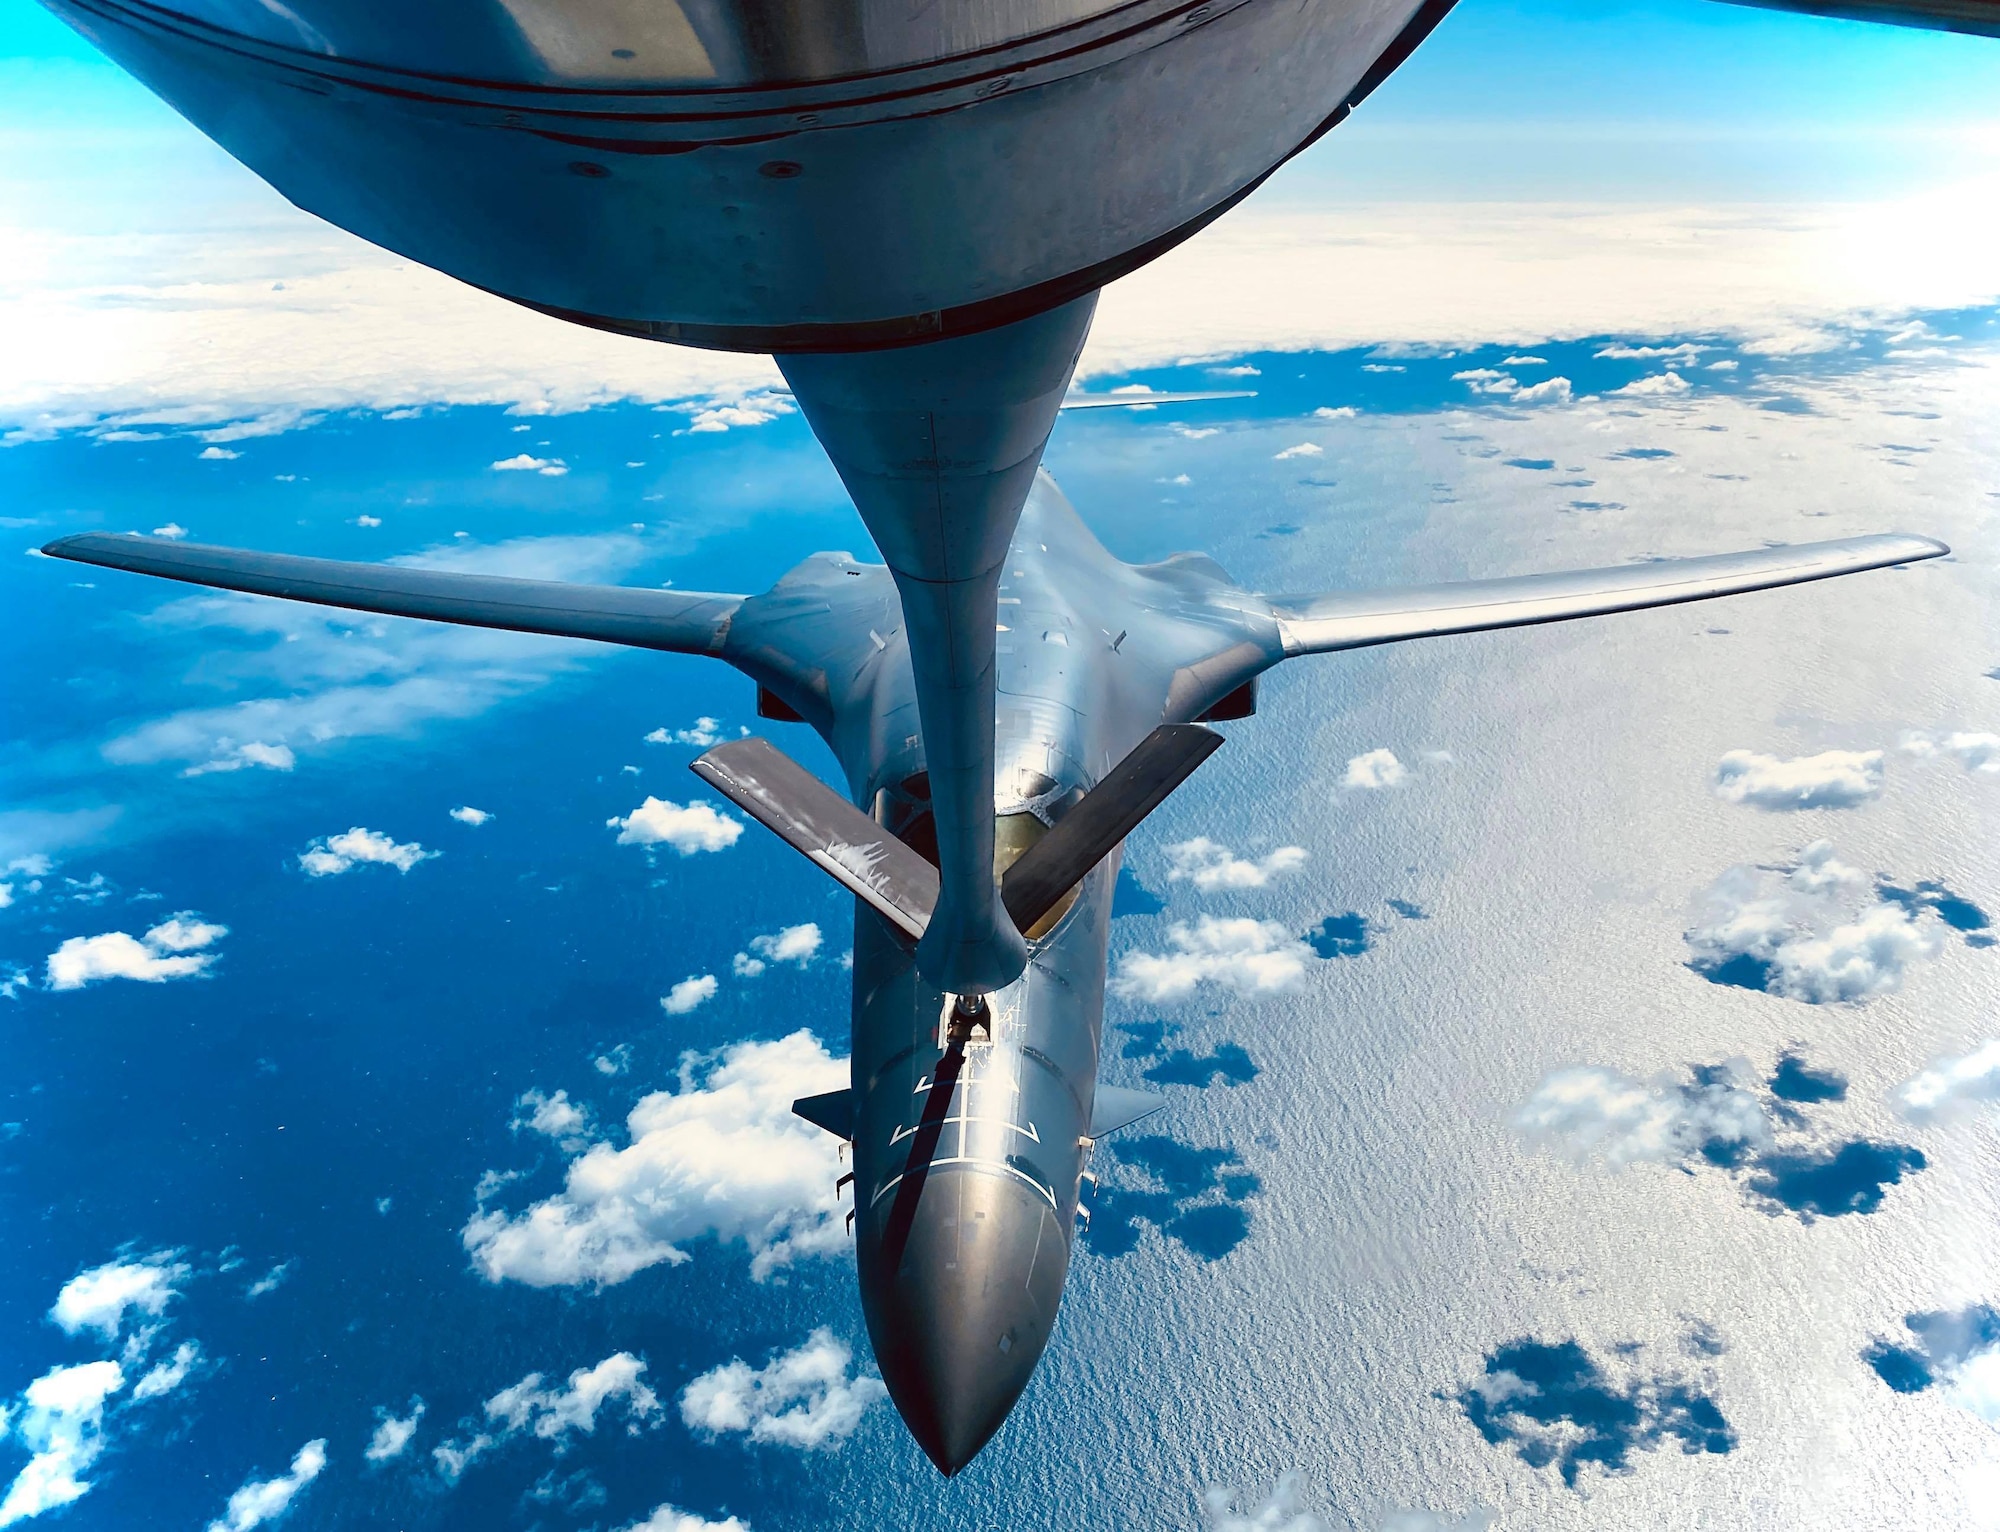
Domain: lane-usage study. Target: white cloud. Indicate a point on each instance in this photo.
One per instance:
(687, 828)
(334, 854)
(1589, 1111)
(368, 521)
(170, 950)
(1209, 865)
(261, 1501)
(666, 1518)
(1975, 752)
(217, 455)
(165, 1377)
(723, 1157)
(1376, 769)
(706, 732)
(553, 1413)
(1975, 1385)
(1333, 412)
(1486, 380)
(272, 1280)
(1525, 361)
(803, 1398)
(1256, 957)
(172, 529)
(1663, 385)
(236, 757)
(468, 815)
(100, 1298)
(745, 966)
(555, 1117)
(693, 991)
(1796, 933)
(1278, 1511)
(1952, 1082)
(521, 462)
(1303, 449)
(452, 1458)
(1548, 391)
(1833, 779)
(1619, 351)
(393, 1433)
(723, 415)
(61, 1421)
(793, 944)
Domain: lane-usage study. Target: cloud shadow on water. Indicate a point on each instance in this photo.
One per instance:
(1339, 936)
(1228, 1062)
(1193, 1196)
(1557, 1406)
(1131, 897)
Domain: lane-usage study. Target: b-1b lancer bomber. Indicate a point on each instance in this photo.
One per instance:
(912, 207)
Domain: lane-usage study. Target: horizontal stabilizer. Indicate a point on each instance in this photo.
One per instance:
(1102, 818)
(834, 1112)
(812, 818)
(1357, 619)
(684, 622)
(1118, 1106)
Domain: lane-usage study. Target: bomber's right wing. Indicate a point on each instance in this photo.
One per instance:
(1357, 619)
(686, 622)
(1981, 17)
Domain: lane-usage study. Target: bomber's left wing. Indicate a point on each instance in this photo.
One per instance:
(1357, 619)
(685, 622)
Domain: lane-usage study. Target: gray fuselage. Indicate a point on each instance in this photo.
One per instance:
(1092, 654)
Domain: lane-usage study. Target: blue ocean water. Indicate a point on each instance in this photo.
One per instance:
(1338, 1253)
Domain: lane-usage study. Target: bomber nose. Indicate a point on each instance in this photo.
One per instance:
(959, 1326)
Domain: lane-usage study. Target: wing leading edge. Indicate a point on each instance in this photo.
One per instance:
(1357, 619)
(685, 622)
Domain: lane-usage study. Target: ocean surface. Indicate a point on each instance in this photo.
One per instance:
(1572, 1175)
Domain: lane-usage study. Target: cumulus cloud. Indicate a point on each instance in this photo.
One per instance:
(236, 757)
(706, 731)
(802, 1398)
(687, 828)
(722, 415)
(169, 950)
(1975, 752)
(521, 462)
(797, 945)
(1664, 385)
(1253, 957)
(1833, 779)
(1210, 865)
(60, 1420)
(1335, 412)
(666, 1518)
(1795, 932)
(1548, 391)
(1589, 1111)
(1951, 1084)
(272, 1280)
(165, 1377)
(555, 1117)
(722, 1158)
(1957, 1353)
(1376, 769)
(468, 815)
(1303, 449)
(261, 1501)
(334, 854)
(99, 1299)
(393, 1432)
(554, 1413)
(693, 991)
